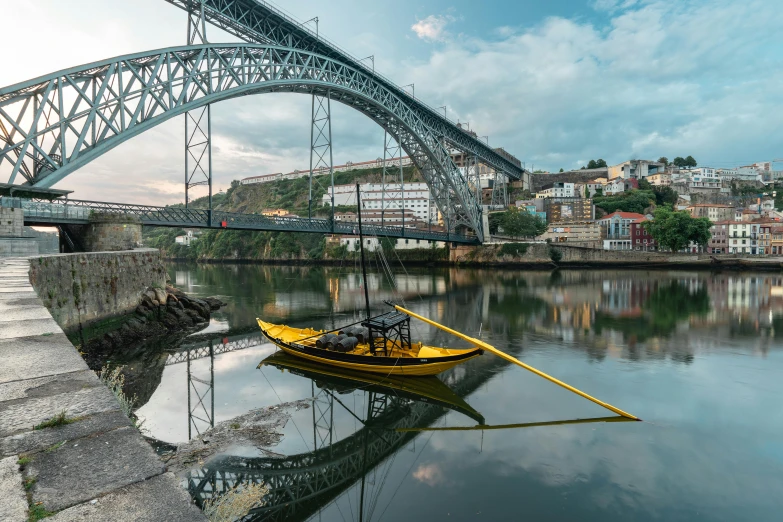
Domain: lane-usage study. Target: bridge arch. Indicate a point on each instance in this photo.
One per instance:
(55, 124)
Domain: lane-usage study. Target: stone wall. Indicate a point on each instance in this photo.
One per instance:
(18, 247)
(538, 181)
(11, 222)
(107, 233)
(79, 289)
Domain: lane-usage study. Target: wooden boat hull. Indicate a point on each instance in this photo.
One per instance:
(441, 360)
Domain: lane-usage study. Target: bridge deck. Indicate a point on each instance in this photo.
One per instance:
(78, 212)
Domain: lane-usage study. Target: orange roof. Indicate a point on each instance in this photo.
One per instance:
(640, 220)
(623, 215)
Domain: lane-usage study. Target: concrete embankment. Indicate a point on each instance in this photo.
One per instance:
(565, 256)
(95, 467)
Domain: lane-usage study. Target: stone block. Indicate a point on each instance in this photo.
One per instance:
(75, 396)
(38, 440)
(86, 468)
(13, 502)
(153, 500)
(32, 357)
(28, 327)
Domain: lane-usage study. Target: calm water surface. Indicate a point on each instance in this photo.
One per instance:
(697, 355)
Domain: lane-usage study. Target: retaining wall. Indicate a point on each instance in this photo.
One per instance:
(80, 289)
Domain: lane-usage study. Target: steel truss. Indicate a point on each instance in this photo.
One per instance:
(201, 416)
(499, 192)
(321, 157)
(198, 123)
(259, 22)
(78, 212)
(392, 150)
(64, 120)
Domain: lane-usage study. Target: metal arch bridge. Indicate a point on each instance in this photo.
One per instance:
(78, 212)
(53, 125)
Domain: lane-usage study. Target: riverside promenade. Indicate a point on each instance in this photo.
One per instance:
(96, 467)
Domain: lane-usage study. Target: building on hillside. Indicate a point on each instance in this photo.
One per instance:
(614, 186)
(594, 185)
(747, 215)
(531, 209)
(372, 244)
(719, 234)
(739, 174)
(661, 179)
(557, 190)
(617, 229)
(583, 233)
(346, 167)
(566, 210)
(750, 237)
(414, 197)
(713, 212)
(641, 239)
(278, 212)
(636, 169)
(185, 239)
(777, 239)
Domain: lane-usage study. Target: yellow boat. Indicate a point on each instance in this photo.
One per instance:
(386, 350)
(424, 389)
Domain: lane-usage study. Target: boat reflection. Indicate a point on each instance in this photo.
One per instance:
(390, 413)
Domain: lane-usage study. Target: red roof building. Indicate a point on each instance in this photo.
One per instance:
(640, 238)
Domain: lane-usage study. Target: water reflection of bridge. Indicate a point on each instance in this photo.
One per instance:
(301, 484)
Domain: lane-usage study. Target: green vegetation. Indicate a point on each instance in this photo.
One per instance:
(61, 419)
(38, 512)
(664, 160)
(596, 164)
(667, 305)
(29, 482)
(631, 201)
(55, 447)
(115, 380)
(688, 162)
(23, 461)
(555, 254)
(663, 195)
(513, 249)
(675, 230)
(517, 223)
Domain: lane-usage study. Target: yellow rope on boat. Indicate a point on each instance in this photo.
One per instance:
(503, 355)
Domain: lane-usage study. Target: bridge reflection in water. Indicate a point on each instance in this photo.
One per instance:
(390, 413)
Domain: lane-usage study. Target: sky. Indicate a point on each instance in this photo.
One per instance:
(555, 83)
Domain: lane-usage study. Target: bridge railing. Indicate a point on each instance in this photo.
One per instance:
(75, 211)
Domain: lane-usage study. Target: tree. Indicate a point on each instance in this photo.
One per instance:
(664, 160)
(600, 164)
(665, 196)
(676, 230)
(679, 162)
(561, 169)
(645, 185)
(690, 162)
(587, 192)
(591, 164)
(519, 223)
(632, 201)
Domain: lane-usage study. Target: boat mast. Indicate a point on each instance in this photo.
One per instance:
(361, 246)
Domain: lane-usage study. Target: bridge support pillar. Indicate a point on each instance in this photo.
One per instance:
(105, 233)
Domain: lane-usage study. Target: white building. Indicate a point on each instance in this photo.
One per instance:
(739, 174)
(558, 190)
(186, 240)
(371, 244)
(414, 197)
(661, 179)
(635, 169)
(349, 166)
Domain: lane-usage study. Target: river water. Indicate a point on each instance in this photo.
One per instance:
(697, 355)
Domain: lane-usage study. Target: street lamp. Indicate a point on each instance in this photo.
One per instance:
(444, 111)
(371, 57)
(313, 19)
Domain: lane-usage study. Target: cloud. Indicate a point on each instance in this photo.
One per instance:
(432, 28)
(657, 78)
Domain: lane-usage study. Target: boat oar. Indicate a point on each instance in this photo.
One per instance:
(484, 427)
(488, 347)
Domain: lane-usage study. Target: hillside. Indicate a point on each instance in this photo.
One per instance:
(291, 195)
